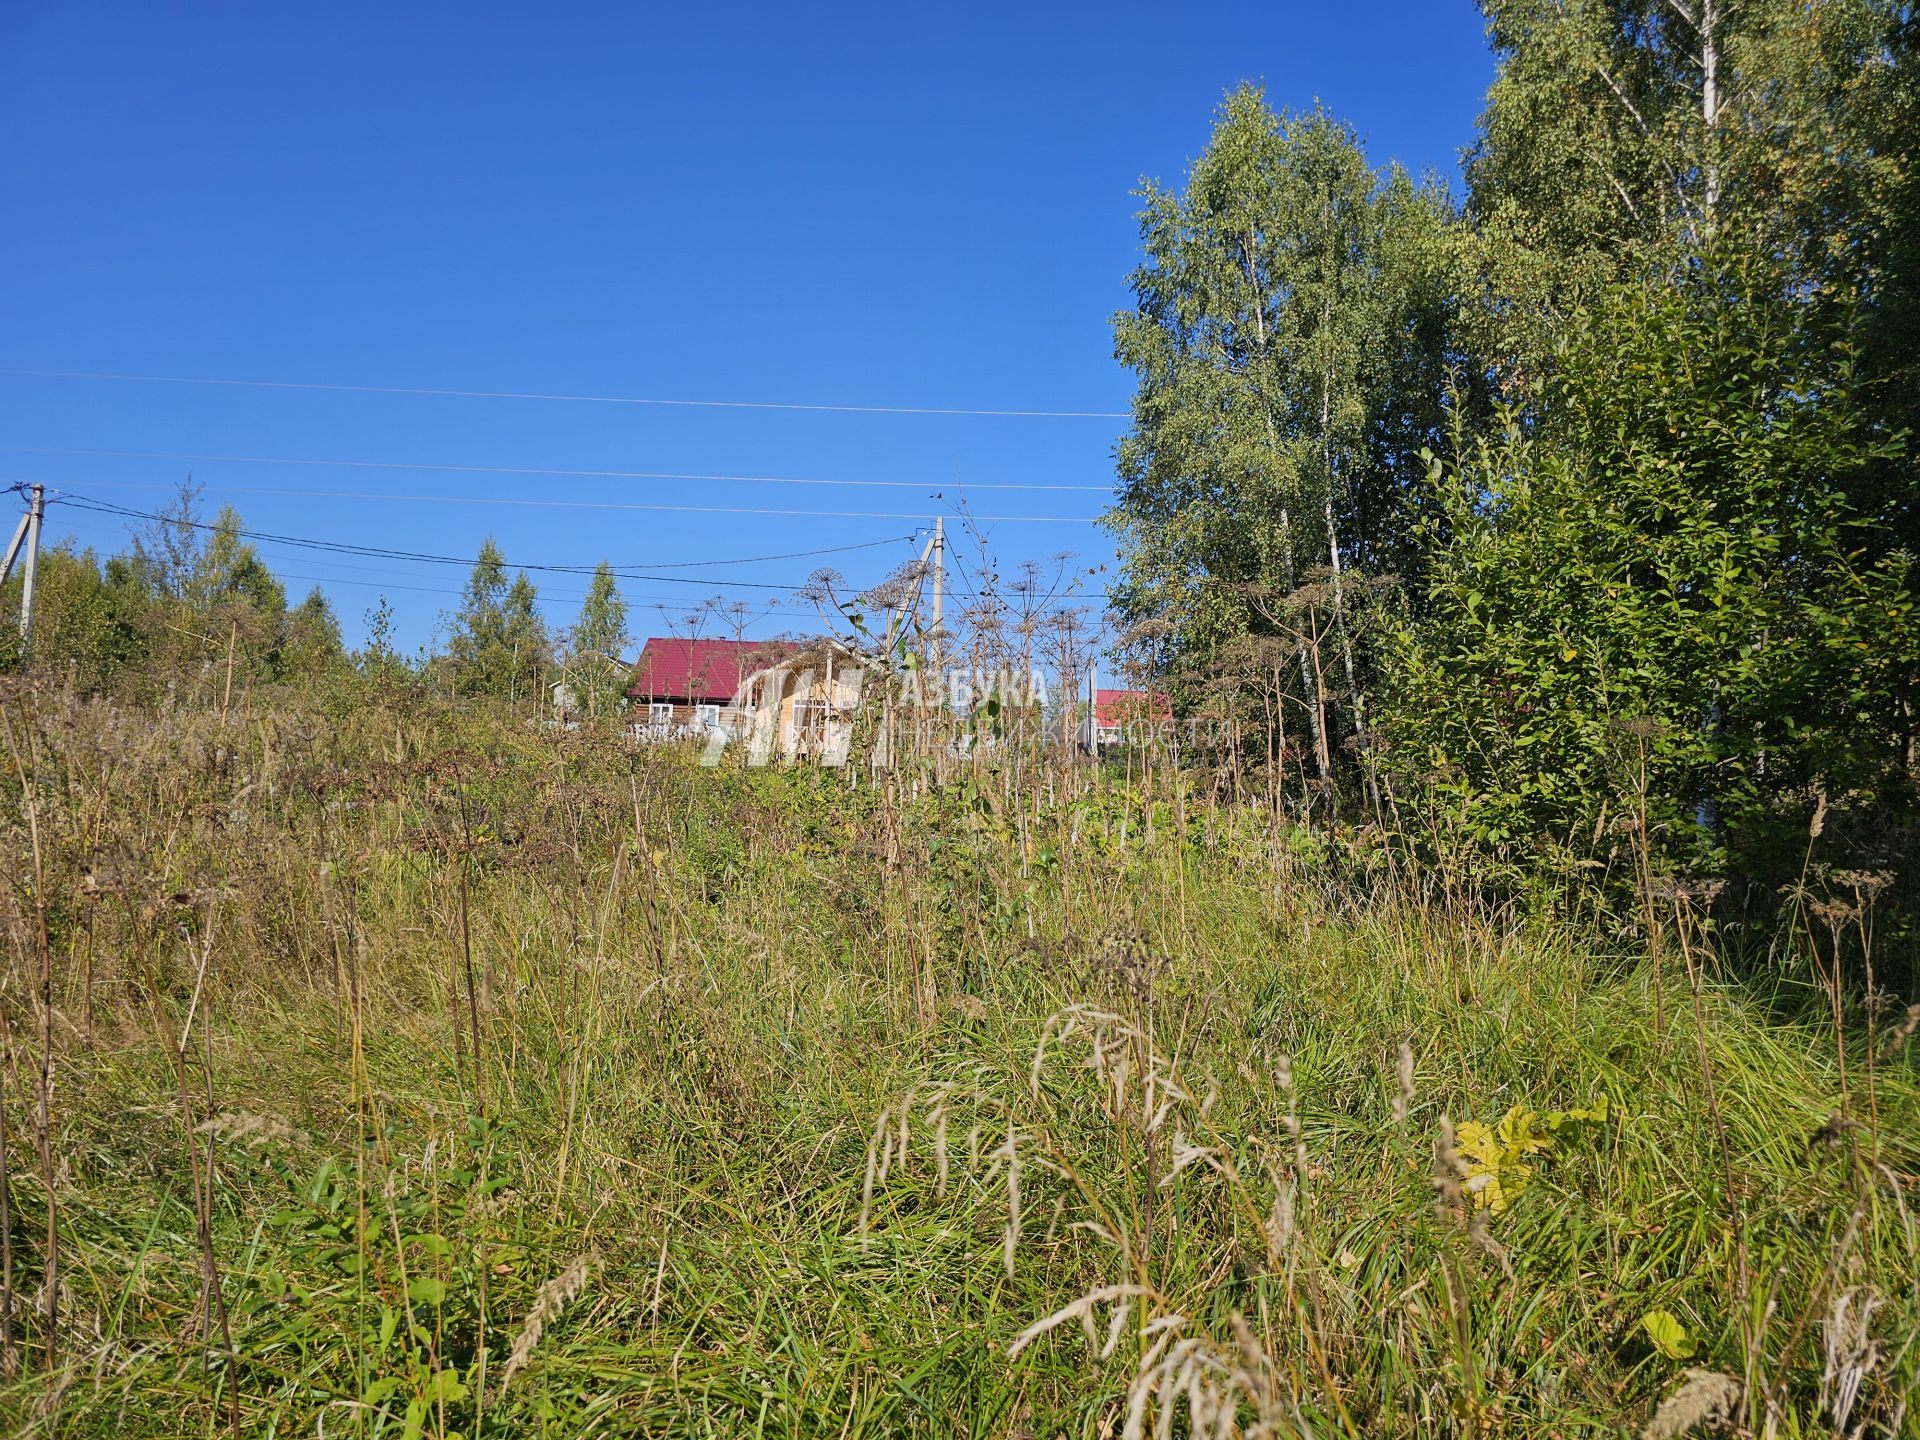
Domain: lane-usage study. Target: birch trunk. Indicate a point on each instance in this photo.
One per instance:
(1710, 96)
(1355, 698)
(1316, 719)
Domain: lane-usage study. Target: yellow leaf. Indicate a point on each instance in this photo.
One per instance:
(1668, 1335)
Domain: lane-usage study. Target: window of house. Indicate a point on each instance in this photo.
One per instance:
(660, 714)
(708, 716)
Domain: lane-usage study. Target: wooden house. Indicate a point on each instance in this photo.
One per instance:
(682, 687)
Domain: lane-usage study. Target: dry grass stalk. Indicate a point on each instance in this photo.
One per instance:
(1403, 1078)
(1449, 1171)
(1207, 1379)
(1849, 1353)
(1283, 1075)
(554, 1296)
(1280, 1226)
(1010, 1152)
(240, 1126)
(1704, 1397)
(1084, 1310)
(1899, 1035)
(43, 1073)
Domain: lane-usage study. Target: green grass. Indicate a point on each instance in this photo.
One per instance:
(699, 992)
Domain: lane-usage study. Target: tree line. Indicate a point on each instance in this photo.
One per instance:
(190, 602)
(1577, 508)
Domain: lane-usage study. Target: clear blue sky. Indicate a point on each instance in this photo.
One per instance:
(887, 205)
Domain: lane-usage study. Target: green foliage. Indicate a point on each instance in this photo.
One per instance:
(498, 646)
(227, 575)
(1680, 540)
(163, 554)
(1289, 338)
(1501, 1158)
(88, 623)
(1662, 574)
(182, 602)
(596, 671)
(1668, 1335)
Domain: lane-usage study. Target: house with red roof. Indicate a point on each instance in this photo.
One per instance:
(1122, 716)
(680, 684)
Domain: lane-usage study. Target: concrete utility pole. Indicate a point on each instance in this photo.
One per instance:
(34, 514)
(13, 548)
(27, 531)
(939, 590)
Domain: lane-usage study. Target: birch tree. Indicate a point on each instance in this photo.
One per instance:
(594, 665)
(1277, 291)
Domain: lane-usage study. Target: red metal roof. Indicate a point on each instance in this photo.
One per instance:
(703, 671)
(1117, 707)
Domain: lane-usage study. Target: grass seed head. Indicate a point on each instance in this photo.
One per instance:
(1403, 1077)
(1450, 1199)
(1704, 1397)
(553, 1297)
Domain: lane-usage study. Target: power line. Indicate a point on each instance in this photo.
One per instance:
(1008, 600)
(583, 399)
(1052, 604)
(595, 504)
(651, 602)
(91, 531)
(541, 470)
(421, 557)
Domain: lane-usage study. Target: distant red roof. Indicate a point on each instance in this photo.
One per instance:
(700, 671)
(1117, 707)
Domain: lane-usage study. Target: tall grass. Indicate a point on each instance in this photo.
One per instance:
(411, 1073)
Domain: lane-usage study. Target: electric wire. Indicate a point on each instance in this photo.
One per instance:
(102, 533)
(541, 470)
(582, 399)
(621, 505)
(1051, 603)
(340, 547)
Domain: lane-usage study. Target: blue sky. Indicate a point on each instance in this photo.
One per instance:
(867, 205)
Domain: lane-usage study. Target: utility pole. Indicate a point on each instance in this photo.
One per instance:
(939, 584)
(28, 531)
(37, 509)
(13, 548)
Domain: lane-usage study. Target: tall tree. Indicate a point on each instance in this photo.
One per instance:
(526, 643)
(228, 569)
(1620, 134)
(164, 551)
(595, 669)
(498, 644)
(1283, 316)
(311, 645)
(1694, 224)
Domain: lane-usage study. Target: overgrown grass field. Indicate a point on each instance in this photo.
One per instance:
(397, 1072)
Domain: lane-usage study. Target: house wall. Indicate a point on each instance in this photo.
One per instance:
(686, 713)
(812, 719)
(803, 716)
